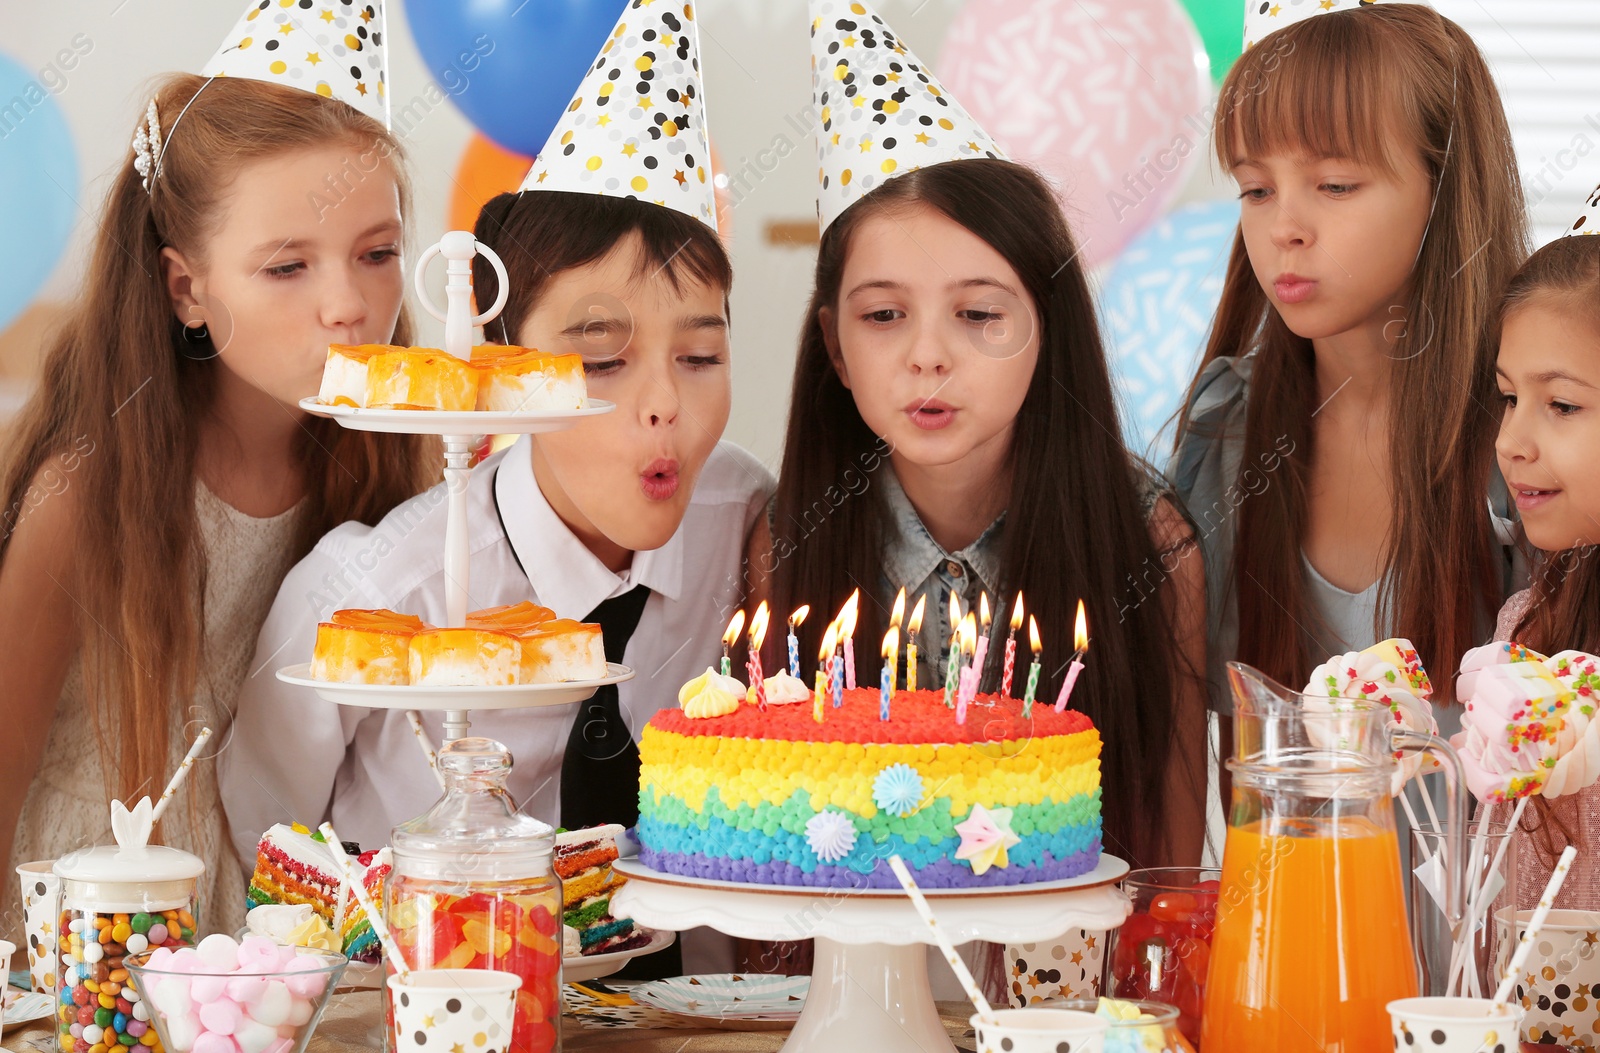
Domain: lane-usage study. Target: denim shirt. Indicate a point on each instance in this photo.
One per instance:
(913, 559)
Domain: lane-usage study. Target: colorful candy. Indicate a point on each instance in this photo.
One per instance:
(1162, 953)
(512, 926)
(99, 1010)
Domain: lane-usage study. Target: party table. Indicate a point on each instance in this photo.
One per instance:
(353, 1021)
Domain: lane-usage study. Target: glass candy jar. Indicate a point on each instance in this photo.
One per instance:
(117, 901)
(473, 888)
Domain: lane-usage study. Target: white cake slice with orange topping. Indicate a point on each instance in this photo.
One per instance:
(344, 375)
(521, 379)
(561, 650)
(365, 647)
(421, 379)
(464, 658)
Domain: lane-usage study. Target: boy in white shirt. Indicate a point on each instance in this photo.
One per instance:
(611, 252)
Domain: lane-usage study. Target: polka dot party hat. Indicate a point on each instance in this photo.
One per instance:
(1268, 16)
(336, 48)
(637, 126)
(880, 112)
(1588, 221)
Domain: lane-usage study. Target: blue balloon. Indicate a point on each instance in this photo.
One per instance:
(1156, 307)
(511, 66)
(39, 177)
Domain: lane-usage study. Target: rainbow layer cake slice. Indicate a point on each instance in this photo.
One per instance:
(583, 862)
(293, 866)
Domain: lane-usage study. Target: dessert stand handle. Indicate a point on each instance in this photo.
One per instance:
(458, 247)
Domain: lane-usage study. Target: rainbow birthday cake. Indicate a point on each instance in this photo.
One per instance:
(775, 797)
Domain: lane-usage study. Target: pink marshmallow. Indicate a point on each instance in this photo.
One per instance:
(253, 1037)
(159, 958)
(221, 1016)
(205, 988)
(272, 1007)
(211, 1042)
(246, 988)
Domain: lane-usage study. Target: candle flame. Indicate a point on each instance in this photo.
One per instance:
(758, 626)
(914, 627)
(1080, 630)
(1033, 637)
(969, 634)
(1016, 614)
(847, 615)
(984, 617)
(734, 628)
(830, 640)
(799, 616)
(955, 614)
(891, 644)
(897, 615)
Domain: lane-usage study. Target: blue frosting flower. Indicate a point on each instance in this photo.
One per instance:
(897, 789)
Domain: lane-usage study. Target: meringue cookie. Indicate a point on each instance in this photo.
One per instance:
(710, 695)
(783, 689)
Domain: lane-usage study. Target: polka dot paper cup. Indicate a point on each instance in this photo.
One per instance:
(1454, 1025)
(440, 1010)
(41, 910)
(1559, 989)
(1041, 1031)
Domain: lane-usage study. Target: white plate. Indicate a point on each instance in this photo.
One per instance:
(1108, 871)
(727, 996)
(410, 696)
(439, 422)
(370, 975)
(25, 1007)
(594, 966)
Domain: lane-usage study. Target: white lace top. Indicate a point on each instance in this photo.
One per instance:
(68, 805)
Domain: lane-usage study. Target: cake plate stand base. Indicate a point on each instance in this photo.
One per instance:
(869, 984)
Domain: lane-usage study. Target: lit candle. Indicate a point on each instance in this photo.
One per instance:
(734, 628)
(891, 655)
(824, 670)
(837, 675)
(913, 633)
(794, 641)
(1011, 648)
(898, 613)
(847, 630)
(758, 636)
(1033, 670)
(982, 653)
(1080, 641)
(955, 651)
(969, 677)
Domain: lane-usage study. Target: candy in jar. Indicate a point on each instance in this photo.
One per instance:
(473, 888)
(118, 901)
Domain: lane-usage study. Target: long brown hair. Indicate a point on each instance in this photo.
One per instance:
(1074, 523)
(123, 390)
(1357, 84)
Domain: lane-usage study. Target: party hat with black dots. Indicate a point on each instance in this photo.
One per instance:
(880, 112)
(1268, 16)
(1588, 221)
(637, 126)
(335, 48)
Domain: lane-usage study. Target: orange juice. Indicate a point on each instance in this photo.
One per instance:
(1311, 941)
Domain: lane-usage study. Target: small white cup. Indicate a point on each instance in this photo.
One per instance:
(1041, 1030)
(7, 949)
(435, 1009)
(41, 913)
(1454, 1025)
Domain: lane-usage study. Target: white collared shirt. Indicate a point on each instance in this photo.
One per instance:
(293, 757)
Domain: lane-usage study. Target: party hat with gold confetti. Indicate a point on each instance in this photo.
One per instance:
(335, 48)
(880, 112)
(637, 126)
(1588, 221)
(1266, 16)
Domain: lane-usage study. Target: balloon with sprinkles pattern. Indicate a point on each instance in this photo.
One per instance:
(880, 112)
(335, 48)
(637, 126)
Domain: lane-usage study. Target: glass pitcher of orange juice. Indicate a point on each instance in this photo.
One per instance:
(1311, 939)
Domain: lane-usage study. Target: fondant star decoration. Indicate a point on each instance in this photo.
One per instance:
(985, 836)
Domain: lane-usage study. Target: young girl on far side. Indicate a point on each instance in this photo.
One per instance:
(1549, 378)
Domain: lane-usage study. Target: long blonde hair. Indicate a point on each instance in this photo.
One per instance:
(121, 399)
(1361, 84)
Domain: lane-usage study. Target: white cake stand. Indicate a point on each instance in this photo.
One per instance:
(869, 981)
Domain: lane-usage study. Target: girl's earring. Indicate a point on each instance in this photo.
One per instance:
(197, 339)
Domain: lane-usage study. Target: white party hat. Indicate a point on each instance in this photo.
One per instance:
(880, 112)
(637, 126)
(1588, 221)
(1267, 16)
(335, 48)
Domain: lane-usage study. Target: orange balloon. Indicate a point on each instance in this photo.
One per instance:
(486, 170)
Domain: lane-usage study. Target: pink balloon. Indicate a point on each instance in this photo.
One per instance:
(1110, 99)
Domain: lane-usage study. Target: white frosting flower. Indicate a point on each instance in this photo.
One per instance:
(783, 689)
(831, 835)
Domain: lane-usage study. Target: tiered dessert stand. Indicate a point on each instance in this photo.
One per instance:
(460, 432)
(869, 981)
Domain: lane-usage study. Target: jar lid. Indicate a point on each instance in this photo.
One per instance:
(474, 832)
(132, 865)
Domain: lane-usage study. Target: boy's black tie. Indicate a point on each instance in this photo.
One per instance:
(600, 773)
